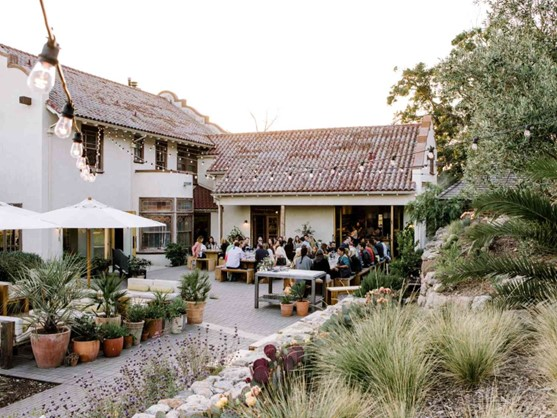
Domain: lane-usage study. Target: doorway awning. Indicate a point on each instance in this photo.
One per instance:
(203, 200)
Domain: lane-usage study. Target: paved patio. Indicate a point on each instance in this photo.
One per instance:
(230, 307)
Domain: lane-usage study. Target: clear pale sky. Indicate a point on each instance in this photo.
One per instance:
(311, 63)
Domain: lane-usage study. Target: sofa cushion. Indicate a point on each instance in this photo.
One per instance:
(18, 323)
(139, 287)
(161, 289)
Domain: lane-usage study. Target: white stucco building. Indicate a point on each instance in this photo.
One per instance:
(145, 146)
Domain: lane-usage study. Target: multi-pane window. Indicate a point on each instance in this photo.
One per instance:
(93, 139)
(176, 214)
(138, 149)
(187, 160)
(161, 152)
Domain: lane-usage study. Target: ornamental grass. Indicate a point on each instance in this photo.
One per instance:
(473, 346)
(545, 348)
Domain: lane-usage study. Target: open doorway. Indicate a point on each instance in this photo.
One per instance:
(265, 222)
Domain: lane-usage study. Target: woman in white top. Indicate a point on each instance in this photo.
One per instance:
(280, 253)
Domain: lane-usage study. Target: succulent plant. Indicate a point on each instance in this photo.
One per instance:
(281, 363)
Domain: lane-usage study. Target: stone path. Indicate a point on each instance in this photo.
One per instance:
(231, 307)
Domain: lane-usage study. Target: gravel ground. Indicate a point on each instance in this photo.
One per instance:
(14, 389)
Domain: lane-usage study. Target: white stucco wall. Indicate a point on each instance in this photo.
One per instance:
(215, 226)
(320, 218)
(235, 216)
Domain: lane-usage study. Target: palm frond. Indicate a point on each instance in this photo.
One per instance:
(488, 265)
(543, 235)
(544, 169)
(522, 203)
(523, 293)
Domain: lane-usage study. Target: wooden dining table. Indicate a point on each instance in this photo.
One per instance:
(213, 255)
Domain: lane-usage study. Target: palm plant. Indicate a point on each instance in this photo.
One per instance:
(108, 294)
(195, 286)
(51, 288)
(528, 215)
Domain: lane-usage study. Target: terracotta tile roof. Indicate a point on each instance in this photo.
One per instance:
(202, 199)
(106, 101)
(243, 156)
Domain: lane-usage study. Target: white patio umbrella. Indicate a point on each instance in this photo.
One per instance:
(91, 214)
(12, 217)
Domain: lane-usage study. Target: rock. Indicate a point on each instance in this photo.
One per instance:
(183, 395)
(463, 301)
(202, 388)
(172, 403)
(435, 300)
(235, 374)
(428, 265)
(214, 399)
(158, 408)
(143, 415)
(195, 404)
(429, 279)
(480, 302)
(173, 414)
(246, 357)
(421, 301)
(439, 288)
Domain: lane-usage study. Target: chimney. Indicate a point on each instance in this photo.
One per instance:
(132, 83)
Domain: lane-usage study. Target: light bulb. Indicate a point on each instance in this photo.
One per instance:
(63, 128)
(83, 174)
(81, 163)
(311, 174)
(43, 75)
(430, 154)
(92, 178)
(393, 162)
(76, 150)
(528, 131)
(475, 143)
(333, 170)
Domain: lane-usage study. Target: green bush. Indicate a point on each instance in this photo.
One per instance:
(446, 264)
(176, 253)
(137, 265)
(12, 263)
(473, 346)
(99, 266)
(136, 313)
(409, 260)
(110, 331)
(376, 279)
(387, 356)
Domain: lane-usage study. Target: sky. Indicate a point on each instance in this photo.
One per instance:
(304, 63)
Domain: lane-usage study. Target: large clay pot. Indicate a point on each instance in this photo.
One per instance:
(113, 347)
(100, 320)
(176, 325)
(195, 312)
(87, 350)
(286, 309)
(49, 350)
(154, 327)
(135, 329)
(128, 341)
(302, 307)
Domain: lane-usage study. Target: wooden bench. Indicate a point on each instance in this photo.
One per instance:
(334, 291)
(201, 263)
(220, 273)
(344, 281)
(358, 277)
(8, 298)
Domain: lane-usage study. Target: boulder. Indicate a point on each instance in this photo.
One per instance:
(153, 409)
(172, 403)
(480, 302)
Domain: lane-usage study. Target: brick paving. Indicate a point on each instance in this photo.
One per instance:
(229, 310)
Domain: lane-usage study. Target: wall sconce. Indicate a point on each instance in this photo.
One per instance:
(245, 222)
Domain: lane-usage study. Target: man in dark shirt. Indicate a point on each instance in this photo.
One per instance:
(379, 247)
(260, 254)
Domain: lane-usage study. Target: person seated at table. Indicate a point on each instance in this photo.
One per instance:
(304, 262)
(368, 255)
(280, 257)
(382, 250)
(332, 247)
(211, 244)
(342, 269)
(297, 242)
(246, 245)
(223, 247)
(306, 242)
(324, 248)
(260, 255)
(321, 263)
(355, 262)
(196, 250)
(234, 259)
(289, 249)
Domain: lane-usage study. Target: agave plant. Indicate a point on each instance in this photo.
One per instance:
(527, 215)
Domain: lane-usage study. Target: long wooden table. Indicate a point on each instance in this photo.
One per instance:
(288, 274)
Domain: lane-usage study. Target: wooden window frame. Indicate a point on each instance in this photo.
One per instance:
(90, 138)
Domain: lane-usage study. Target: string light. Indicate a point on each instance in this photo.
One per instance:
(43, 75)
(430, 154)
(475, 143)
(76, 151)
(63, 128)
(393, 161)
(311, 174)
(528, 131)
(361, 167)
(333, 170)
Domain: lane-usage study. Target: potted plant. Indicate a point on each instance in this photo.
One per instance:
(176, 253)
(298, 291)
(286, 304)
(107, 294)
(194, 289)
(175, 311)
(137, 266)
(155, 314)
(113, 339)
(86, 339)
(50, 289)
(134, 321)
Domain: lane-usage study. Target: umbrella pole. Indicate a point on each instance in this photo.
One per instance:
(88, 257)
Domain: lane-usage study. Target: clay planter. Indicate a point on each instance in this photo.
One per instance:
(113, 347)
(195, 312)
(154, 327)
(176, 325)
(87, 350)
(135, 329)
(100, 320)
(144, 335)
(49, 350)
(302, 307)
(128, 341)
(286, 309)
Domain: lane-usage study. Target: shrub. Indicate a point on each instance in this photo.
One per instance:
(446, 264)
(137, 265)
(409, 260)
(110, 331)
(99, 266)
(176, 253)
(376, 279)
(386, 355)
(85, 329)
(12, 263)
(136, 313)
(473, 346)
(195, 286)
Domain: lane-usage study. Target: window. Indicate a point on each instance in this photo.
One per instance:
(161, 152)
(93, 138)
(176, 214)
(10, 240)
(161, 210)
(187, 160)
(138, 149)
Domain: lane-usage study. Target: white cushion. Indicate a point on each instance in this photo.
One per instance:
(18, 323)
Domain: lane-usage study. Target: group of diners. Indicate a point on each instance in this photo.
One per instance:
(305, 253)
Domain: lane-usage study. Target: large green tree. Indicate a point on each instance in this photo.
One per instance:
(497, 80)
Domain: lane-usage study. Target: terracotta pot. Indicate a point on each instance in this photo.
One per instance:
(49, 350)
(166, 326)
(135, 329)
(113, 347)
(302, 307)
(286, 309)
(195, 312)
(144, 335)
(154, 327)
(87, 350)
(100, 320)
(176, 325)
(128, 341)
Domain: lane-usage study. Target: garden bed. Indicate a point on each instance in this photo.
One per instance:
(13, 389)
